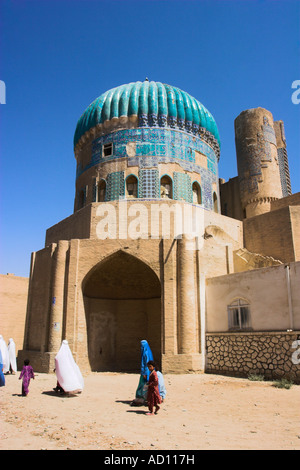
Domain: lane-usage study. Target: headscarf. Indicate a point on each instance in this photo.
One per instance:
(146, 356)
(12, 354)
(2, 378)
(67, 371)
(5, 355)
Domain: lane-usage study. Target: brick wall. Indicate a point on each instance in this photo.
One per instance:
(264, 234)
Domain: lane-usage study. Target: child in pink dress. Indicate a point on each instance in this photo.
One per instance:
(26, 374)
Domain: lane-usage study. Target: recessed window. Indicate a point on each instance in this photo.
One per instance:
(101, 191)
(166, 187)
(239, 315)
(107, 150)
(81, 199)
(197, 197)
(215, 202)
(131, 187)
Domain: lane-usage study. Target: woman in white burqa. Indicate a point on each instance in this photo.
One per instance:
(5, 355)
(12, 356)
(67, 371)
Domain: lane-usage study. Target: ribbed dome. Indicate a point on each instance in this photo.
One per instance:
(163, 104)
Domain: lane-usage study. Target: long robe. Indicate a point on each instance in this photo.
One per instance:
(153, 397)
(161, 385)
(12, 355)
(5, 355)
(67, 371)
(146, 356)
(26, 374)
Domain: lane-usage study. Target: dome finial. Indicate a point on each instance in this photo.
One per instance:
(146, 79)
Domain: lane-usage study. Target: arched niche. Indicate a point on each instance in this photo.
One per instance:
(166, 187)
(197, 193)
(122, 300)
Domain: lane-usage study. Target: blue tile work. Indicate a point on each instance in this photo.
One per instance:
(149, 183)
(115, 186)
(155, 104)
(154, 146)
(206, 190)
(182, 187)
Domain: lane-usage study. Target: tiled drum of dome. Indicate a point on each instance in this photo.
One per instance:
(153, 146)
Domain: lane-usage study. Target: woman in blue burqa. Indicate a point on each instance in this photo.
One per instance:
(146, 356)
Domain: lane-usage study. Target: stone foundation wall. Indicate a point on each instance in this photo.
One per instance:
(274, 355)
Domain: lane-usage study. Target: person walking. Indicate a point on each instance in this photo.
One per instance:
(153, 397)
(69, 377)
(26, 375)
(146, 356)
(12, 356)
(5, 355)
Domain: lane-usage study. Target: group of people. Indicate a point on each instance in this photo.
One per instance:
(151, 388)
(8, 365)
(69, 378)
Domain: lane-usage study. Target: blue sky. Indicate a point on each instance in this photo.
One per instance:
(56, 57)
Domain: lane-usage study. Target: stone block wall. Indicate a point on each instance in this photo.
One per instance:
(274, 355)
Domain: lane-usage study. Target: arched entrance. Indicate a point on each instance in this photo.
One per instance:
(122, 307)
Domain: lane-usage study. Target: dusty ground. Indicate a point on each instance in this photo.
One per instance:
(200, 412)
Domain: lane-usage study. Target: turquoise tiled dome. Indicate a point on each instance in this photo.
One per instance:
(155, 104)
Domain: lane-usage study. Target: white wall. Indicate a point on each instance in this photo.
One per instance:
(267, 293)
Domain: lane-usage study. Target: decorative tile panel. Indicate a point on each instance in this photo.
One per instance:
(148, 183)
(115, 186)
(182, 187)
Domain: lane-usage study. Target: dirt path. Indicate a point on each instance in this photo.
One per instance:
(200, 412)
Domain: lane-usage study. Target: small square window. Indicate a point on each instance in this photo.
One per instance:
(107, 150)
